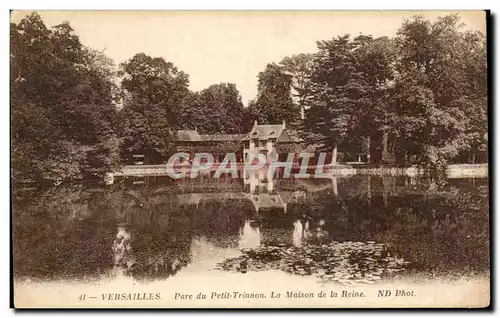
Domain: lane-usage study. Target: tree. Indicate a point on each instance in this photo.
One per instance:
(425, 91)
(154, 90)
(375, 61)
(349, 78)
(440, 95)
(188, 113)
(300, 67)
(63, 104)
(274, 103)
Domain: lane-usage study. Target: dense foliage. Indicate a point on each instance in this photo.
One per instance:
(418, 98)
(274, 103)
(152, 89)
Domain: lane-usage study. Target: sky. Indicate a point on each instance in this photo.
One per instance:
(227, 46)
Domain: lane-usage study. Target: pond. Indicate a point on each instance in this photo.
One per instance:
(351, 230)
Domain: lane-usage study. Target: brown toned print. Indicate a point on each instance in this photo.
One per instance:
(204, 159)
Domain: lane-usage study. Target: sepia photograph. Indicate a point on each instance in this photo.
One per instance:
(249, 159)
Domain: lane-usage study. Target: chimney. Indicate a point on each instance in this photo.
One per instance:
(255, 123)
(283, 124)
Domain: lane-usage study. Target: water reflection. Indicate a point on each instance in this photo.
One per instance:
(159, 228)
(298, 233)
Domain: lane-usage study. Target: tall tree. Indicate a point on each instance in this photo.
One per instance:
(347, 82)
(216, 109)
(440, 90)
(63, 104)
(300, 67)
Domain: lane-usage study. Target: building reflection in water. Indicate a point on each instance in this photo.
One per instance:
(160, 235)
(198, 228)
(148, 232)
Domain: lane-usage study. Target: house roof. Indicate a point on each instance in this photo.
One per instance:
(261, 132)
(193, 135)
(223, 137)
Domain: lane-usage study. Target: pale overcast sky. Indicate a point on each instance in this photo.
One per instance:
(228, 46)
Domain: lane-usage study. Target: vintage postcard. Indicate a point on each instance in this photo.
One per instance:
(260, 159)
